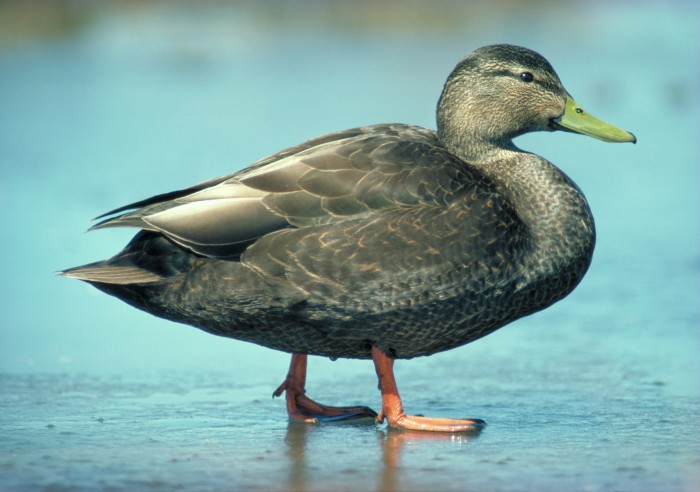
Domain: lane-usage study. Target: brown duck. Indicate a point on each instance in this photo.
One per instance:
(384, 242)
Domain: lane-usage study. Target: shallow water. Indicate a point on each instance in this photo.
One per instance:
(568, 420)
(599, 392)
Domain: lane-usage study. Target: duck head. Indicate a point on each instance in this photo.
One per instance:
(499, 92)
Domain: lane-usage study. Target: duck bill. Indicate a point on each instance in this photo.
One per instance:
(576, 120)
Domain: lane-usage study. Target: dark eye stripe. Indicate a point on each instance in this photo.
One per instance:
(544, 83)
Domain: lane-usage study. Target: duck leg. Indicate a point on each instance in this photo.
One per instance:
(392, 408)
(301, 408)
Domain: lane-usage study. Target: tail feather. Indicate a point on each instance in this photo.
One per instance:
(101, 272)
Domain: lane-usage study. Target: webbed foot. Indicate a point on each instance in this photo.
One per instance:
(392, 408)
(301, 408)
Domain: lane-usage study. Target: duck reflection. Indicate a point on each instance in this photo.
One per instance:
(393, 441)
(390, 444)
(296, 440)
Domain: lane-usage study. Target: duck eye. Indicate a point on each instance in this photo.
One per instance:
(527, 77)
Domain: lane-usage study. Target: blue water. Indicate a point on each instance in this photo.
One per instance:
(599, 392)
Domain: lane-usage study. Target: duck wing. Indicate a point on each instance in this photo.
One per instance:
(344, 175)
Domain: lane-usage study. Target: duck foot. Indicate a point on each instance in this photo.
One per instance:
(392, 408)
(416, 422)
(301, 408)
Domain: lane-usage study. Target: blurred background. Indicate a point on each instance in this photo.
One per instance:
(105, 103)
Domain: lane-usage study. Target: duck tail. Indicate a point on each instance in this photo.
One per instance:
(148, 258)
(103, 273)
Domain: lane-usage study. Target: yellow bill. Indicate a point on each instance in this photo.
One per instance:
(576, 120)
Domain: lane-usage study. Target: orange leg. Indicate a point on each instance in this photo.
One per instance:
(392, 408)
(301, 408)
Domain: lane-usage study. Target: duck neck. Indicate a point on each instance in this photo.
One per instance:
(473, 145)
(552, 208)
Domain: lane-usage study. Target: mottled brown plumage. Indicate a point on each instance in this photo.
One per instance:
(388, 236)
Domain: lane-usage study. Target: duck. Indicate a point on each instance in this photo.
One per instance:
(382, 242)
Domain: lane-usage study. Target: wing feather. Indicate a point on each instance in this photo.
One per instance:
(332, 178)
